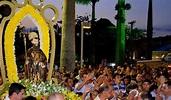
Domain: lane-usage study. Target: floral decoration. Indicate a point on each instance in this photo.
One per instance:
(10, 37)
(43, 89)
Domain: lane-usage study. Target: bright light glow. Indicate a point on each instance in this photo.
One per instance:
(86, 27)
(112, 64)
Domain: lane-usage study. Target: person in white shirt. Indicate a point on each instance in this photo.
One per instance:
(87, 79)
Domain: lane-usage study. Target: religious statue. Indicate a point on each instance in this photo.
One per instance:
(36, 61)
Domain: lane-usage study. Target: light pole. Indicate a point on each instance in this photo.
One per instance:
(132, 24)
(84, 25)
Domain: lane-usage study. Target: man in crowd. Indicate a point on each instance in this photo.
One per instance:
(139, 78)
(119, 88)
(16, 92)
(145, 94)
(86, 79)
(146, 85)
(104, 93)
(166, 90)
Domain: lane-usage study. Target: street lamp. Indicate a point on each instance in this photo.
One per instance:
(132, 24)
(84, 25)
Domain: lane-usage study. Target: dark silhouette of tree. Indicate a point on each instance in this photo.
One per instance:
(105, 40)
(132, 36)
(149, 30)
(93, 2)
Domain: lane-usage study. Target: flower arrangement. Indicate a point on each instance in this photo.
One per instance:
(43, 89)
(70, 95)
(10, 36)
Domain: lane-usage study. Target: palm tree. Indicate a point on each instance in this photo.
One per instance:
(67, 55)
(86, 2)
(132, 36)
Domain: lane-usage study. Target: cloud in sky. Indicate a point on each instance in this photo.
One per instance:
(163, 28)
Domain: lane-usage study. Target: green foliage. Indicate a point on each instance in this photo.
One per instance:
(86, 2)
(6, 87)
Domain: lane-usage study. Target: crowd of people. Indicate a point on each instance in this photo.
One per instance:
(109, 83)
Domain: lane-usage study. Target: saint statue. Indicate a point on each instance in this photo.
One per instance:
(36, 61)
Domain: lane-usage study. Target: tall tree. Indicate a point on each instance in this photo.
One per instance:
(149, 30)
(133, 35)
(67, 56)
(86, 2)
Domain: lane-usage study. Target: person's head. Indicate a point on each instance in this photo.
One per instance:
(133, 71)
(30, 98)
(117, 78)
(127, 80)
(16, 91)
(144, 96)
(93, 94)
(33, 37)
(105, 92)
(163, 77)
(55, 96)
(128, 69)
(166, 87)
(87, 73)
(139, 78)
(132, 86)
(83, 74)
(69, 82)
(90, 67)
(146, 85)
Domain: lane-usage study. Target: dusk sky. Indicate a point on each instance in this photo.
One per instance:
(138, 12)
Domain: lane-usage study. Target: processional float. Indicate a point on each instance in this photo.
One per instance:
(9, 20)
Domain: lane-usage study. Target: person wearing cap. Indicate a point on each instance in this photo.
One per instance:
(36, 61)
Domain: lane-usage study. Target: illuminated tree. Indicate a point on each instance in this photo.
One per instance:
(120, 36)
